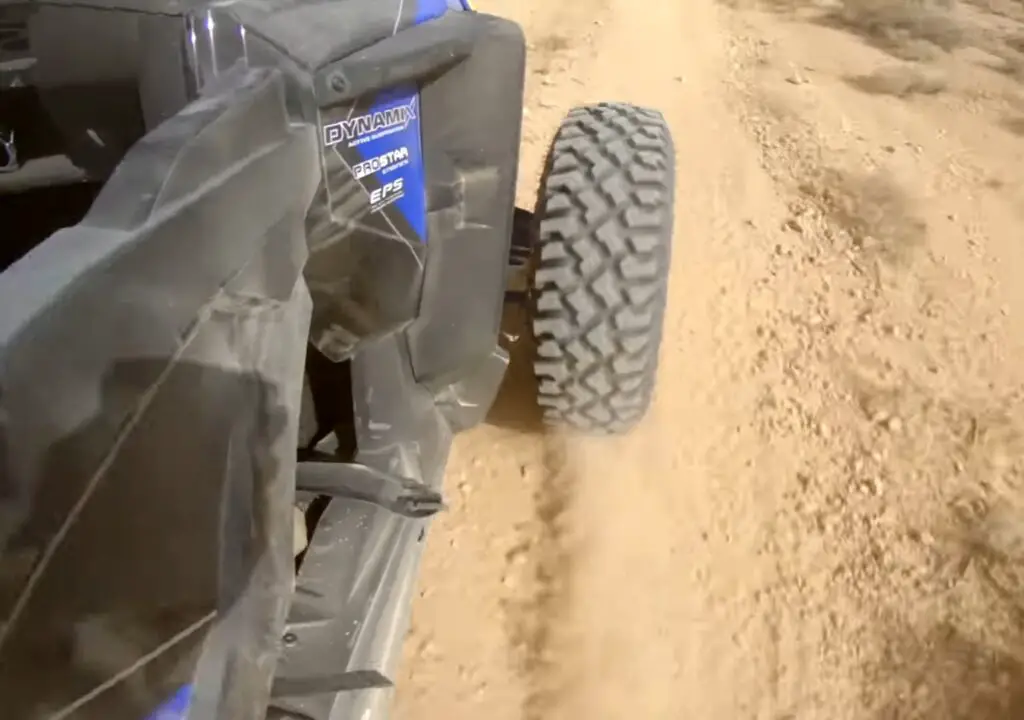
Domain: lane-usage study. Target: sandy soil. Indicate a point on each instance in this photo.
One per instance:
(823, 516)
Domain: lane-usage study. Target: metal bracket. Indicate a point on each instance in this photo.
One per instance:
(524, 232)
(400, 495)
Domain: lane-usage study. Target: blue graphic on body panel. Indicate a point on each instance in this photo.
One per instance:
(395, 156)
(387, 144)
(430, 9)
(388, 140)
(176, 708)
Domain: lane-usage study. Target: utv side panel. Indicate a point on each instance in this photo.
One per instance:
(150, 372)
(388, 281)
(348, 619)
(375, 249)
(412, 390)
(473, 113)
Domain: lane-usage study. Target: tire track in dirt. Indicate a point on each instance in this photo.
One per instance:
(539, 568)
(560, 38)
(667, 598)
(532, 620)
(522, 530)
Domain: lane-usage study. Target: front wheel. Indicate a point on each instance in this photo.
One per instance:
(601, 268)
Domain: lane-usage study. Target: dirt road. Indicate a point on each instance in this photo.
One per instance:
(822, 519)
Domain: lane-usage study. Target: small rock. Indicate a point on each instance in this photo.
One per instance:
(797, 78)
(894, 425)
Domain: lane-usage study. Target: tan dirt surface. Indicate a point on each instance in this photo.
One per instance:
(822, 518)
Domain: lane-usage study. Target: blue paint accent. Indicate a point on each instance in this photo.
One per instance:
(430, 9)
(176, 708)
(408, 139)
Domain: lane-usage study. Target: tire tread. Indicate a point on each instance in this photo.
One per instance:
(601, 275)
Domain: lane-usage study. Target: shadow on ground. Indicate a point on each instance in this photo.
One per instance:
(515, 407)
(946, 675)
(546, 547)
(906, 29)
(970, 665)
(900, 81)
(1015, 125)
(873, 209)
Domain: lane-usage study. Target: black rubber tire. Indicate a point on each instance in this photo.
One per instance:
(601, 267)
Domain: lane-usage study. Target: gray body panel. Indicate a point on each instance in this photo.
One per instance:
(164, 338)
(149, 409)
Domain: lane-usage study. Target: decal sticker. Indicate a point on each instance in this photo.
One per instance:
(374, 144)
(384, 164)
(372, 152)
(371, 126)
(387, 194)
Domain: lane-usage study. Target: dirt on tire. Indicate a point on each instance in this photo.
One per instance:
(822, 516)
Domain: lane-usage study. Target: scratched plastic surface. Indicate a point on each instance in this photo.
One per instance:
(151, 363)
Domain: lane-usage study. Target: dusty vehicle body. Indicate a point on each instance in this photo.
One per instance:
(276, 281)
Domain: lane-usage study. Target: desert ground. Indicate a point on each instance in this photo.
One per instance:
(823, 516)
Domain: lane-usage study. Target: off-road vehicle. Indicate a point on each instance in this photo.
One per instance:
(256, 255)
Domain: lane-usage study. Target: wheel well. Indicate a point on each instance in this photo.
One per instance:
(332, 434)
(31, 216)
